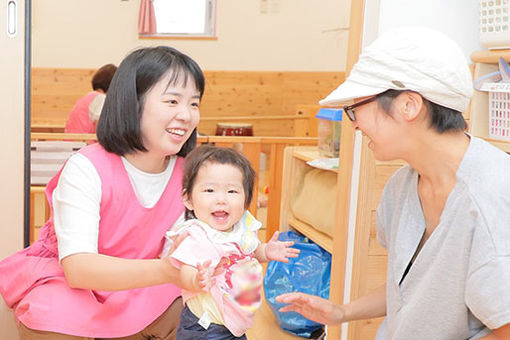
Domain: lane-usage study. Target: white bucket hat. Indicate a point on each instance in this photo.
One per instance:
(410, 58)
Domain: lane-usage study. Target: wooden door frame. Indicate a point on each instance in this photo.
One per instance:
(347, 139)
(27, 140)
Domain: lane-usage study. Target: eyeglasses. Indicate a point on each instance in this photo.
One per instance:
(349, 109)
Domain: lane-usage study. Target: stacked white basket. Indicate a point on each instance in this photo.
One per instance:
(495, 24)
(495, 34)
(499, 110)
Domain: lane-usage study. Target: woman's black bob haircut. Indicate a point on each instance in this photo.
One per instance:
(118, 128)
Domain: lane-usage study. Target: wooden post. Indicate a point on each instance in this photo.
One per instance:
(338, 266)
(275, 189)
(32, 216)
(252, 152)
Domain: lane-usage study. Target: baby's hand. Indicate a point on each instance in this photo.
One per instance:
(205, 276)
(280, 251)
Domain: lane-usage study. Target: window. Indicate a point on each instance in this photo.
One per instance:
(189, 18)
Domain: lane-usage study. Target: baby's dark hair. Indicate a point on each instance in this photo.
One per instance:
(211, 154)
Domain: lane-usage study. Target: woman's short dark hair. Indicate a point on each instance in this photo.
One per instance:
(118, 128)
(211, 154)
(442, 119)
(103, 77)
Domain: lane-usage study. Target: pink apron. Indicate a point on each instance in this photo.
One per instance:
(33, 283)
(79, 120)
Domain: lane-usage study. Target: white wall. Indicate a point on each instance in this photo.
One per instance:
(456, 18)
(294, 35)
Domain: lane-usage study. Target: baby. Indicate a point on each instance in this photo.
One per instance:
(217, 190)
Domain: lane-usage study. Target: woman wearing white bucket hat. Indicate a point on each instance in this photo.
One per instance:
(443, 217)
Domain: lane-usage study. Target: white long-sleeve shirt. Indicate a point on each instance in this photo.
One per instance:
(77, 198)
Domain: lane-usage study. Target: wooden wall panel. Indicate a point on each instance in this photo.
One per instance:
(54, 92)
(370, 258)
(373, 277)
(374, 248)
(284, 127)
(249, 95)
(242, 93)
(383, 172)
(272, 126)
(308, 87)
(366, 329)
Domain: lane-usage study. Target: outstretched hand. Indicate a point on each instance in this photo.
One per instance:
(280, 251)
(312, 307)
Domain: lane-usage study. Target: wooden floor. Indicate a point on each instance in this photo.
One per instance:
(265, 326)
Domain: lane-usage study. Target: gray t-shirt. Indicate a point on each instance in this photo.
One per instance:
(459, 284)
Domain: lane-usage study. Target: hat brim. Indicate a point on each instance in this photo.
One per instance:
(350, 90)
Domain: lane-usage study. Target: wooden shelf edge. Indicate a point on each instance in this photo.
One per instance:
(323, 240)
(37, 188)
(490, 56)
(63, 136)
(390, 163)
(503, 145)
(309, 154)
(306, 153)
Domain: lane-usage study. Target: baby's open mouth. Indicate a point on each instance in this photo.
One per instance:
(220, 215)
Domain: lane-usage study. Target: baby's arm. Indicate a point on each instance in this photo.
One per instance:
(276, 250)
(197, 279)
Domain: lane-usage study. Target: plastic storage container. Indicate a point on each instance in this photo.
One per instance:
(495, 23)
(499, 110)
(330, 127)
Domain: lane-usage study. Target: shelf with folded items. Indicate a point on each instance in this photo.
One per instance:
(308, 196)
(486, 62)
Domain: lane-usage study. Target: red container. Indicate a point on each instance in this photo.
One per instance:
(234, 129)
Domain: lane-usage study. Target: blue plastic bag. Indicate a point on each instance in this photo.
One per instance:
(309, 273)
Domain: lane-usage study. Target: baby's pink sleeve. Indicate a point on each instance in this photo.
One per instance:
(195, 249)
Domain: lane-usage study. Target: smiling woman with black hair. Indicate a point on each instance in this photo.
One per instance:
(95, 271)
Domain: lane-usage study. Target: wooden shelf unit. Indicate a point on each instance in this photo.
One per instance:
(294, 171)
(368, 269)
(295, 168)
(485, 62)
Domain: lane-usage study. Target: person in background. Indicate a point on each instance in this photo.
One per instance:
(85, 113)
(96, 271)
(443, 217)
(218, 186)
